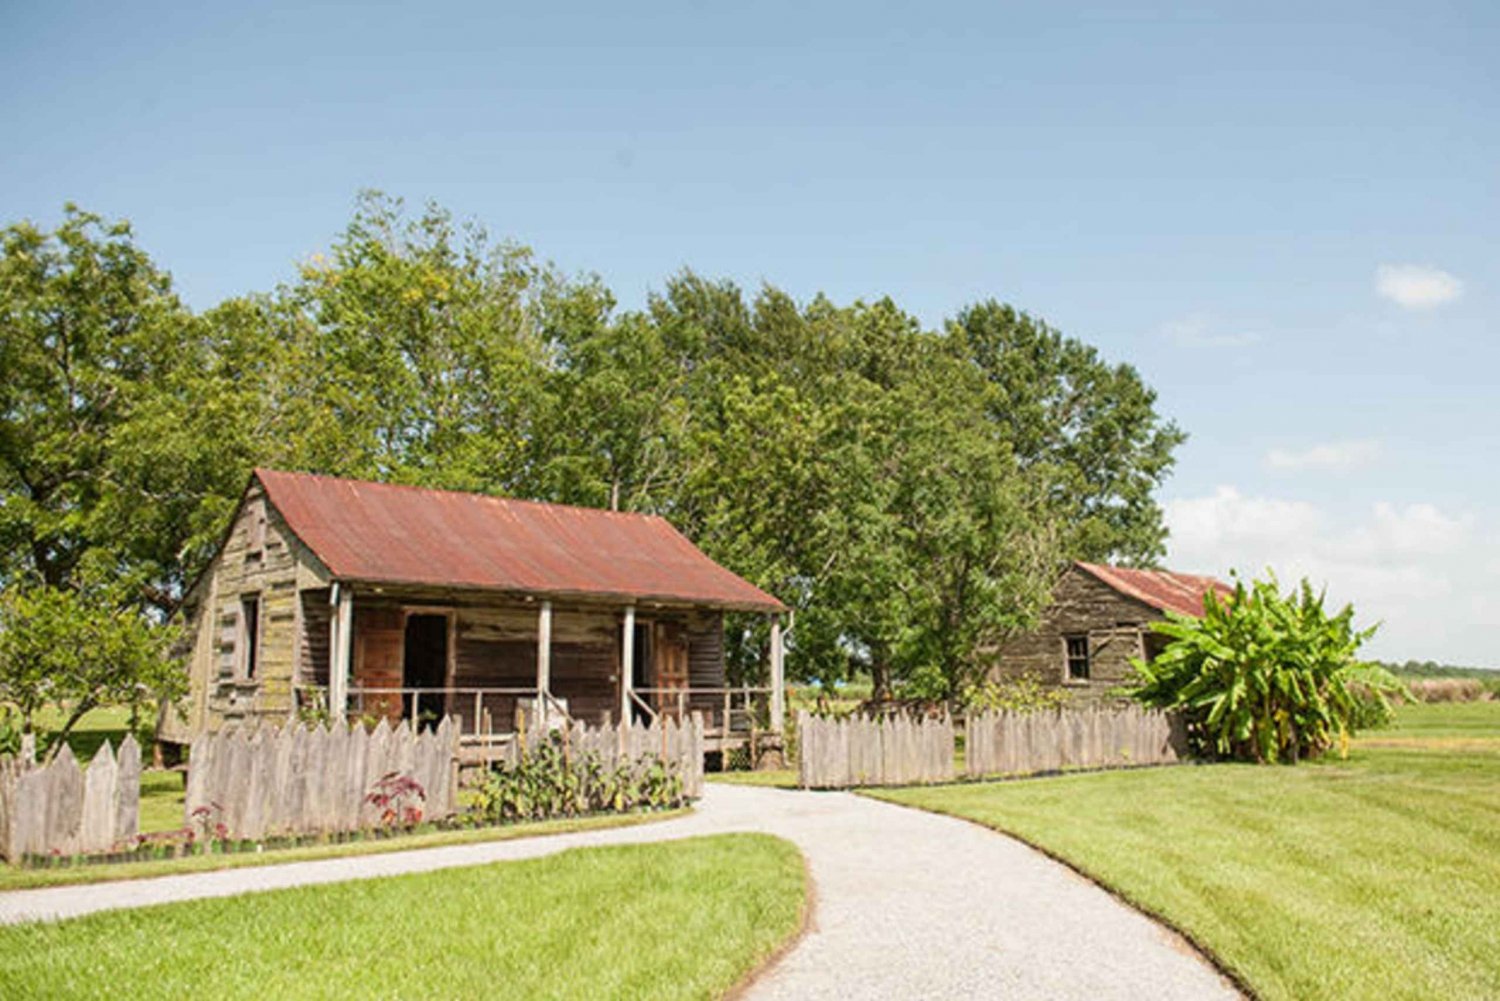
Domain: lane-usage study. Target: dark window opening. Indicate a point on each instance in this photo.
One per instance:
(250, 633)
(1155, 643)
(641, 674)
(1078, 657)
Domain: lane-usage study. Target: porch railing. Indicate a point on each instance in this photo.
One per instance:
(490, 714)
(482, 713)
(726, 711)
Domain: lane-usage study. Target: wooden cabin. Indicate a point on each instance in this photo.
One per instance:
(1099, 618)
(360, 599)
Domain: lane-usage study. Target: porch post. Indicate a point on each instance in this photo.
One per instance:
(627, 664)
(778, 679)
(543, 661)
(341, 628)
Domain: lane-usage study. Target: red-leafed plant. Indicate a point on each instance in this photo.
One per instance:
(399, 798)
(207, 823)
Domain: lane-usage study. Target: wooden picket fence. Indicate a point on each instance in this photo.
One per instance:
(679, 745)
(902, 750)
(1009, 743)
(302, 780)
(867, 751)
(61, 808)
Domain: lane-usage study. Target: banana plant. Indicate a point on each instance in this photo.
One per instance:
(1266, 677)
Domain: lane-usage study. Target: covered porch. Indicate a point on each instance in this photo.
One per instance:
(501, 662)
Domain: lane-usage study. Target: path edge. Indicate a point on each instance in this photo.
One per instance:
(752, 977)
(1209, 957)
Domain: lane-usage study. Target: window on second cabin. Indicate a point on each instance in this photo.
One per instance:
(1078, 657)
(249, 634)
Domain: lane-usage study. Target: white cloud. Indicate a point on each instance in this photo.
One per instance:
(1196, 330)
(1427, 574)
(1336, 456)
(1417, 529)
(1416, 286)
(1198, 523)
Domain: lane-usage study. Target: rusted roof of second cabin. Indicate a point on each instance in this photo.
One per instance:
(1163, 590)
(383, 533)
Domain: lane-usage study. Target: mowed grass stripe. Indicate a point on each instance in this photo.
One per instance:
(1375, 877)
(681, 919)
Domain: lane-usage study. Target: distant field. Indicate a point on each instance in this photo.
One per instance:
(1431, 725)
(682, 919)
(1376, 877)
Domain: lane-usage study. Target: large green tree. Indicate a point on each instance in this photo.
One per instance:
(842, 457)
(909, 492)
(418, 348)
(1087, 428)
(108, 421)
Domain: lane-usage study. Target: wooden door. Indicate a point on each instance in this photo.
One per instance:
(671, 649)
(379, 639)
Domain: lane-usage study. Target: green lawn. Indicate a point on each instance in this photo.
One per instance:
(1440, 721)
(96, 726)
(1375, 877)
(683, 919)
(774, 778)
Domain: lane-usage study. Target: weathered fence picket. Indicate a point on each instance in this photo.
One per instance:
(299, 780)
(677, 744)
(60, 808)
(1009, 743)
(864, 751)
(902, 750)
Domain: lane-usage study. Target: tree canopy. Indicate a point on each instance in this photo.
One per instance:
(910, 492)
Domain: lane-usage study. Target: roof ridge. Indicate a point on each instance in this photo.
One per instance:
(1139, 582)
(260, 470)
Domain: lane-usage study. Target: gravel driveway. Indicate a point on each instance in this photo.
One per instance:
(907, 904)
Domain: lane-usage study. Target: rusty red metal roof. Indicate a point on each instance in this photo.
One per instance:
(1163, 590)
(389, 534)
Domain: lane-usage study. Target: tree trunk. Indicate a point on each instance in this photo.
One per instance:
(880, 676)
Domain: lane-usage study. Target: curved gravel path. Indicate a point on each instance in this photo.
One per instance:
(907, 904)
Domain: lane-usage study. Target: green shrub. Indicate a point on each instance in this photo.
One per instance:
(930, 687)
(10, 731)
(1026, 694)
(551, 782)
(1266, 677)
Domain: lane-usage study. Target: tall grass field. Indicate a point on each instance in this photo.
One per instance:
(1373, 877)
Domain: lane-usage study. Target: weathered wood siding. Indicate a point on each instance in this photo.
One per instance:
(493, 643)
(705, 638)
(1082, 605)
(260, 557)
(496, 647)
(316, 636)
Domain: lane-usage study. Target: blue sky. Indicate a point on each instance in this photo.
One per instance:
(1285, 216)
